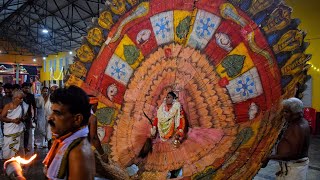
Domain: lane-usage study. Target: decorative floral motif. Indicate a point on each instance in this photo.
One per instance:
(205, 28)
(245, 87)
(163, 25)
(118, 70)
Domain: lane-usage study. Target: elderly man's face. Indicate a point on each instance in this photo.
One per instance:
(61, 120)
(289, 115)
(18, 99)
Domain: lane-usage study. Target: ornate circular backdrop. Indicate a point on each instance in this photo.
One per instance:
(230, 63)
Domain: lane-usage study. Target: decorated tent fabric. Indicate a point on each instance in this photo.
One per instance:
(230, 62)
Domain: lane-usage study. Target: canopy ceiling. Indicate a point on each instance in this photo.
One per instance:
(22, 23)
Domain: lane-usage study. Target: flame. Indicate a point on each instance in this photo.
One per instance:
(19, 160)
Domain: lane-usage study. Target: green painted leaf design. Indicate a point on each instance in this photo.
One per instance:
(206, 174)
(105, 115)
(183, 27)
(233, 64)
(131, 53)
(243, 137)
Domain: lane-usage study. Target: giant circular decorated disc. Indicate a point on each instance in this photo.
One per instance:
(230, 63)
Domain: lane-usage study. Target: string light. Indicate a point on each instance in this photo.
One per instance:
(52, 74)
(313, 67)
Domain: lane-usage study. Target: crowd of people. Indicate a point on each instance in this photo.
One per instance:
(21, 112)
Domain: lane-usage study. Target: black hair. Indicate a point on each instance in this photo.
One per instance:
(76, 100)
(173, 94)
(44, 87)
(26, 84)
(16, 86)
(7, 86)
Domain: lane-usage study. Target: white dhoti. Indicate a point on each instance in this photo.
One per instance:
(41, 129)
(13, 134)
(47, 113)
(13, 145)
(1, 135)
(294, 170)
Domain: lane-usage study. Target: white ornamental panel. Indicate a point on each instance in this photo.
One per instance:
(119, 70)
(246, 86)
(162, 25)
(204, 27)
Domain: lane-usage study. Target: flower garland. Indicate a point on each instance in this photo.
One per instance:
(52, 74)
(166, 119)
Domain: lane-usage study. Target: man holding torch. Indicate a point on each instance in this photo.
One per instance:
(70, 156)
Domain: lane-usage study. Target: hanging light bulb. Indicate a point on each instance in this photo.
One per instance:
(45, 31)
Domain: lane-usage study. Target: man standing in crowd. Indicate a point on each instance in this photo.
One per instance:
(70, 156)
(292, 150)
(13, 116)
(42, 123)
(93, 126)
(7, 98)
(1, 90)
(31, 113)
(47, 112)
(16, 87)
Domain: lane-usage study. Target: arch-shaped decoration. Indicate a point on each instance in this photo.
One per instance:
(230, 62)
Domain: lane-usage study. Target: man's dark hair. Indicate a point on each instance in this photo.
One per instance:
(16, 86)
(76, 100)
(7, 86)
(44, 87)
(26, 84)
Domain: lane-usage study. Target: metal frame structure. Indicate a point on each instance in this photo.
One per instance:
(22, 22)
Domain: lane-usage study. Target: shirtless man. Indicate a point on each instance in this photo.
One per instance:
(292, 150)
(70, 156)
(93, 126)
